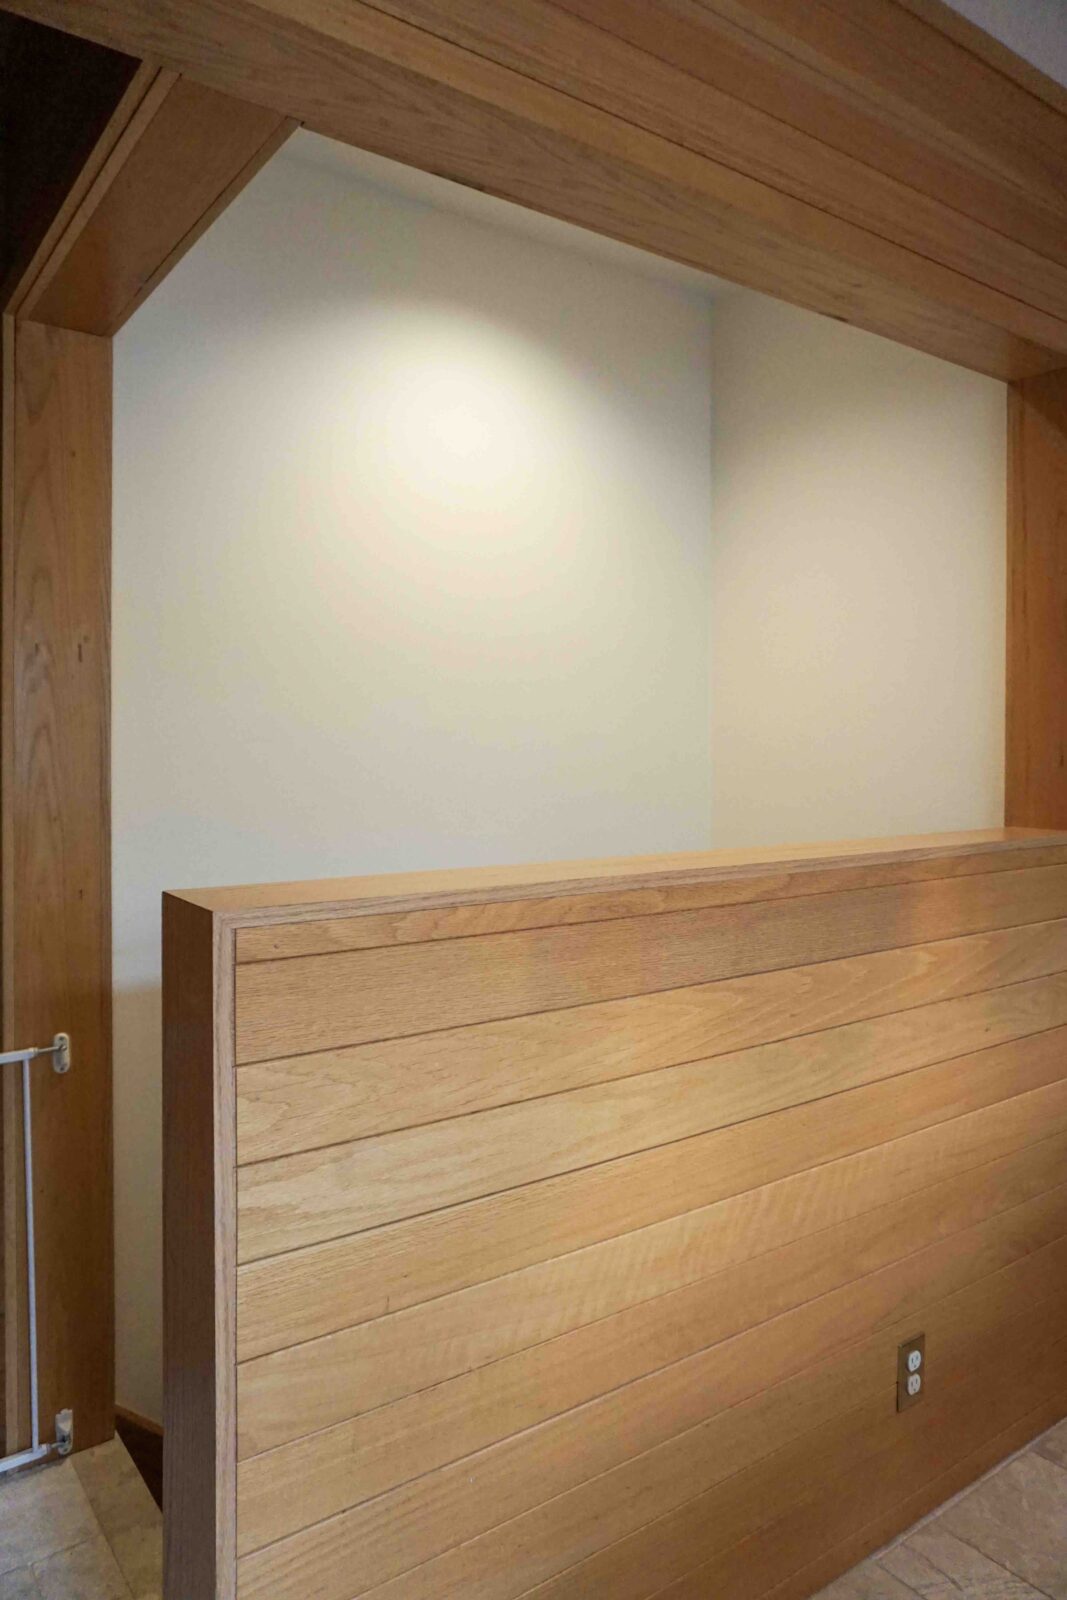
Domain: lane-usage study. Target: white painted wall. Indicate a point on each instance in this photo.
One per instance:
(1034, 29)
(411, 557)
(857, 583)
(424, 556)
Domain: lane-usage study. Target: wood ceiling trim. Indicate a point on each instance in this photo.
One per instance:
(884, 255)
(172, 157)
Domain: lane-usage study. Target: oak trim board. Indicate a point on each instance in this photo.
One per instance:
(1036, 748)
(198, 1273)
(512, 106)
(172, 156)
(56, 842)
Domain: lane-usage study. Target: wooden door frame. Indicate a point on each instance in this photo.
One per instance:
(578, 108)
(168, 159)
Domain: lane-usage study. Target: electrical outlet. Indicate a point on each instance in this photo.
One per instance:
(911, 1371)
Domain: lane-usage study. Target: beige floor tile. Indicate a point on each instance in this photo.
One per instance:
(867, 1582)
(86, 1572)
(938, 1566)
(1018, 1517)
(19, 1585)
(1054, 1445)
(128, 1516)
(42, 1510)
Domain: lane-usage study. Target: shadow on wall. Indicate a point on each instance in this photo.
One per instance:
(138, 1197)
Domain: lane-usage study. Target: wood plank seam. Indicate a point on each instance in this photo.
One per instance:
(650, 1074)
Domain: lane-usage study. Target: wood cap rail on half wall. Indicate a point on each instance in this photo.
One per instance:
(551, 1230)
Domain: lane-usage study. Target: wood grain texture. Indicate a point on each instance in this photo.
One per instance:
(460, 1502)
(312, 1478)
(723, 885)
(301, 1199)
(305, 1293)
(950, 240)
(321, 1002)
(902, 1513)
(609, 1222)
(323, 1098)
(1036, 752)
(548, 1312)
(199, 1398)
(56, 836)
(653, 1515)
(183, 155)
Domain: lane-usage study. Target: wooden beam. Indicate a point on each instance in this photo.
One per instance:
(855, 159)
(56, 836)
(1036, 754)
(171, 158)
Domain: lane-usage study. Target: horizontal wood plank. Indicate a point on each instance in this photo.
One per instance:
(260, 905)
(369, 930)
(643, 1564)
(304, 1004)
(321, 1194)
(670, 1508)
(317, 1476)
(303, 1102)
(537, 132)
(902, 1514)
(786, 1543)
(341, 1284)
(515, 1381)
(459, 1502)
(556, 47)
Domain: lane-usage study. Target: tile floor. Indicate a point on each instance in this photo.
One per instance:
(1005, 1539)
(83, 1529)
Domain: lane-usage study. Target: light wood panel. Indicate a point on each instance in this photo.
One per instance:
(867, 164)
(547, 1313)
(352, 1461)
(747, 881)
(626, 1531)
(459, 1502)
(934, 1492)
(169, 160)
(1036, 754)
(301, 1199)
(304, 1004)
(56, 838)
(610, 1220)
(307, 1101)
(305, 1292)
(198, 1227)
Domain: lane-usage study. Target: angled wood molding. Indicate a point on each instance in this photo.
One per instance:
(172, 156)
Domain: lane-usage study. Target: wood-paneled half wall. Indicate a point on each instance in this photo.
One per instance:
(551, 1233)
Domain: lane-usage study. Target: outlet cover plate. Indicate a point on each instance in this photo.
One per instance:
(916, 1343)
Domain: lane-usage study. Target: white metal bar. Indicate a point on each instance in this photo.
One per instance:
(24, 1458)
(31, 1255)
(37, 1451)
